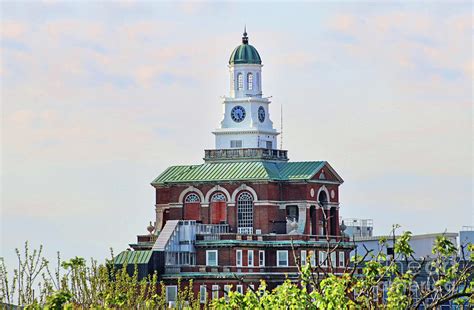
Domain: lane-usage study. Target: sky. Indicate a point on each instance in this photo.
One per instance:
(99, 97)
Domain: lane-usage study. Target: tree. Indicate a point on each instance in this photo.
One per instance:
(451, 281)
(373, 280)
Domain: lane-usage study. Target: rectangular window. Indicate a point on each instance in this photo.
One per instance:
(240, 81)
(235, 143)
(313, 258)
(211, 258)
(238, 258)
(226, 292)
(250, 257)
(323, 261)
(171, 294)
(269, 144)
(261, 258)
(215, 291)
(333, 259)
(342, 260)
(303, 257)
(251, 288)
(292, 213)
(282, 258)
(240, 288)
(202, 294)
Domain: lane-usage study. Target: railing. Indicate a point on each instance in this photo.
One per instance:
(172, 269)
(352, 222)
(245, 230)
(212, 229)
(246, 235)
(253, 153)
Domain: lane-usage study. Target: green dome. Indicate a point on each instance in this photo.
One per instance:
(245, 53)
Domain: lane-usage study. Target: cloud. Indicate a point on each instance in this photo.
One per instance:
(408, 34)
(12, 29)
(343, 23)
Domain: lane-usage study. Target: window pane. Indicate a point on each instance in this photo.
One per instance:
(211, 258)
(215, 291)
(239, 258)
(341, 259)
(235, 143)
(245, 213)
(202, 294)
(171, 292)
(282, 258)
(261, 258)
(240, 81)
(303, 257)
(226, 290)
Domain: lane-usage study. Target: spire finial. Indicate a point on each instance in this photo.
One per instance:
(245, 39)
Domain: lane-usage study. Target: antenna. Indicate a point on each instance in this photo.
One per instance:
(281, 126)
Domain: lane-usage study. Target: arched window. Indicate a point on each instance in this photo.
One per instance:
(191, 208)
(218, 197)
(323, 198)
(240, 81)
(218, 210)
(245, 213)
(249, 81)
(192, 198)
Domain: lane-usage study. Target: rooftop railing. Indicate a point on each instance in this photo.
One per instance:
(253, 153)
(212, 229)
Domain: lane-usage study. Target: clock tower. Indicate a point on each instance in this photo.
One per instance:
(246, 123)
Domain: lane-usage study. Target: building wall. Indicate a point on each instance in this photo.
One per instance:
(269, 207)
(421, 244)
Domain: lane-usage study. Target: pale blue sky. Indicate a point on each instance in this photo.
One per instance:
(98, 98)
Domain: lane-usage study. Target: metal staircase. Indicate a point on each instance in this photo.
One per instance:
(165, 236)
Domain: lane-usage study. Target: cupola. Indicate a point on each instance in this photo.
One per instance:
(245, 53)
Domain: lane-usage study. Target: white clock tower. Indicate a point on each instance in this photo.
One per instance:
(246, 123)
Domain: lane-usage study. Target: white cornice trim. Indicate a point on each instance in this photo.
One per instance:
(234, 131)
(245, 99)
(324, 182)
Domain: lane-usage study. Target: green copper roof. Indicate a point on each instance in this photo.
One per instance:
(245, 53)
(133, 257)
(240, 171)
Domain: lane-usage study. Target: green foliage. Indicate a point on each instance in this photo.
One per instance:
(78, 284)
(58, 300)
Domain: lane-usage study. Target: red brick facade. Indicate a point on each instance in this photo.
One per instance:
(315, 204)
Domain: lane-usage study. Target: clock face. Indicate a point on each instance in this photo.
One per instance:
(237, 114)
(261, 114)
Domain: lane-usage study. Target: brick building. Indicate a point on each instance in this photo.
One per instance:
(246, 213)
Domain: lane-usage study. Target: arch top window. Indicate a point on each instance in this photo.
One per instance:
(240, 81)
(192, 198)
(245, 213)
(218, 197)
(323, 198)
(249, 81)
